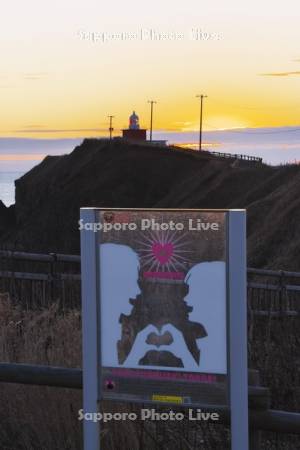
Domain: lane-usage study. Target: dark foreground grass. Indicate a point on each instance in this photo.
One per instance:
(44, 418)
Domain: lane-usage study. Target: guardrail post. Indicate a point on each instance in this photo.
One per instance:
(53, 276)
(281, 292)
(255, 435)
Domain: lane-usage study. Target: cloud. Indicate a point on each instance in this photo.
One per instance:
(280, 74)
(34, 75)
(34, 126)
(36, 129)
(20, 157)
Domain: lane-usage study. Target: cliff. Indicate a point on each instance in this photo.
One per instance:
(118, 174)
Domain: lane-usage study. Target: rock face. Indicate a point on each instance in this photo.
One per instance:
(7, 218)
(118, 174)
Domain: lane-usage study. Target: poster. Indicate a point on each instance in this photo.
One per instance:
(163, 305)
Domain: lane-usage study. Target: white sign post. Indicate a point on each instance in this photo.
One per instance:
(237, 295)
(164, 311)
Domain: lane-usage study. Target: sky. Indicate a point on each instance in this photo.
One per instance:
(66, 65)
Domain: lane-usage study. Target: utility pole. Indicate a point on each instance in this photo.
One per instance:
(201, 115)
(151, 117)
(110, 127)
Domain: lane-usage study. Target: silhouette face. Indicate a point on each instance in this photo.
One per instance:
(119, 272)
(131, 290)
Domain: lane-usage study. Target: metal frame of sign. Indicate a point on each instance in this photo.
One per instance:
(236, 323)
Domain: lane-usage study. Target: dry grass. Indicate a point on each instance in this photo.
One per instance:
(32, 417)
(41, 418)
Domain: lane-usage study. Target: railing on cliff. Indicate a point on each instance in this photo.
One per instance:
(225, 155)
(237, 156)
(37, 279)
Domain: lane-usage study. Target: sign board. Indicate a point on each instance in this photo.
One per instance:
(164, 309)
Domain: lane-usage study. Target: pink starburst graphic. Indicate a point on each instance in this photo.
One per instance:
(164, 252)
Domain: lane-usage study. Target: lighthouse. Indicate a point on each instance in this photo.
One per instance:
(134, 122)
(134, 132)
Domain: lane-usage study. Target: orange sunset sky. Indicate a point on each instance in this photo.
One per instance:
(59, 79)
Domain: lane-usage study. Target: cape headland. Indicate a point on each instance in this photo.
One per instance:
(121, 174)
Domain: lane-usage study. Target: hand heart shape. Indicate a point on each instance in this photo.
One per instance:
(162, 252)
(159, 339)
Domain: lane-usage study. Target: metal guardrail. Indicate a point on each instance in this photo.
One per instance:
(261, 418)
(39, 276)
(270, 273)
(39, 257)
(237, 156)
(53, 258)
(41, 375)
(60, 257)
(272, 293)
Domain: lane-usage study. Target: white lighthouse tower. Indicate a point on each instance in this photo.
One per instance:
(134, 122)
(134, 132)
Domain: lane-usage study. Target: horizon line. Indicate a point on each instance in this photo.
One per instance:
(162, 130)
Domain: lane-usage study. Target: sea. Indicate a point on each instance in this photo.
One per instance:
(7, 186)
(19, 155)
(277, 146)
